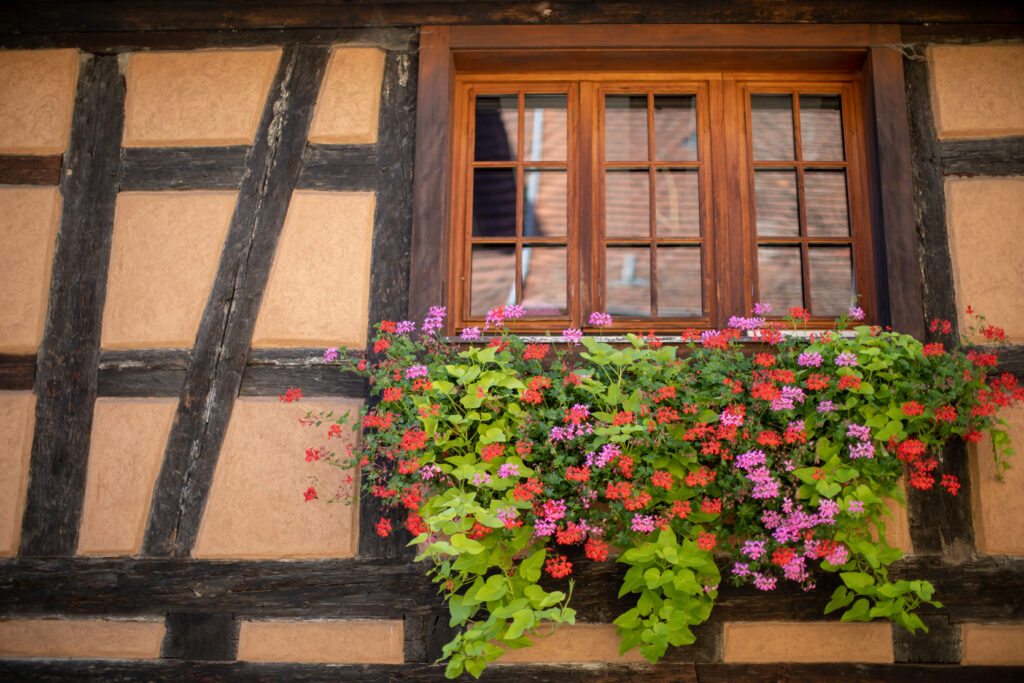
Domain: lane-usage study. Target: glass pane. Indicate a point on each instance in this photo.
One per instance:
(780, 279)
(771, 117)
(494, 202)
(545, 206)
(545, 128)
(821, 128)
(492, 278)
(627, 207)
(675, 127)
(679, 282)
(625, 127)
(544, 275)
(678, 202)
(627, 281)
(497, 127)
(776, 204)
(832, 288)
(825, 196)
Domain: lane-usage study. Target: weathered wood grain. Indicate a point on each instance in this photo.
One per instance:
(158, 169)
(339, 168)
(17, 372)
(200, 636)
(983, 156)
(215, 374)
(30, 170)
(66, 374)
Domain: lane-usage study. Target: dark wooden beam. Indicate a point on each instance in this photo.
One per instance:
(66, 374)
(136, 15)
(200, 636)
(983, 156)
(218, 358)
(955, 32)
(30, 170)
(169, 671)
(145, 372)
(392, 235)
(987, 589)
(115, 42)
(339, 168)
(942, 644)
(17, 372)
(270, 372)
(182, 168)
(941, 524)
(1011, 360)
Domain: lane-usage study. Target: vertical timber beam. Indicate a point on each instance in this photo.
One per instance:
(392, 234)
(218, 358)
(67, 365)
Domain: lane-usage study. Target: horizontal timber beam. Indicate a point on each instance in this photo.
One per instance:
(30, 170)
(985, 156)
(984, 589)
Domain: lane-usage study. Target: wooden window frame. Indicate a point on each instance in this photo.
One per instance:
(894, 285)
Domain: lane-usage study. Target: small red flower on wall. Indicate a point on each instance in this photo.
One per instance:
(293, 394)
(384, 527)
(310, 494)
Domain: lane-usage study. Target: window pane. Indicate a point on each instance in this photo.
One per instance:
(497, 127)
(545, 208)
(678, 202)
(544, 275)
(679, 282)
(494, 202)
(776, 203)
(832, 289)
(627, 203)
(821, 128)
(545, 131)
(780, 277)
(675, 127)
(825, 195)
(492, 278)
(771, 117)
(627, 281)
(625, 128)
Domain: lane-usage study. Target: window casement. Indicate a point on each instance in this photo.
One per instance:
(672, 188)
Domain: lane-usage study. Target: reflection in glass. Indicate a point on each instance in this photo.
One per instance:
(544, 275)
(545, 208)
(780, 279)
(771, 117)
(675, 127)
(627, 203)
(494, 202)
(492, 278)
(821, 128)
(625, 128)
(832, 288)
(679, 282)
(545, 130)
(678, 202)
(825, 196)
(497, 127)
(776, 203)
(627, 281)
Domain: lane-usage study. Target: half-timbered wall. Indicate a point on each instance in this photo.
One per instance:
(188, 219)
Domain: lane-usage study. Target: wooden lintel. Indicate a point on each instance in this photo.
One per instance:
(30, 170)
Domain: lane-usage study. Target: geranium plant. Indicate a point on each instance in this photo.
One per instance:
(780, 449)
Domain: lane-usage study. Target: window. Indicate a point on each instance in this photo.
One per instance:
(670, 187)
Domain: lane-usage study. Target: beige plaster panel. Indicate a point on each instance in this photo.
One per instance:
(977, 90)
(164, 256)
(29, 218)
(995, 645)
(897, 526)
(354, 641)
(807, 642)
(37, 98)
(257, 508)
(125, 453)
(205, 97)
(577, 643)
(17, 421)
(319, 288)
(986, 242)
(81, 638)
(346, 111)
(999, 505)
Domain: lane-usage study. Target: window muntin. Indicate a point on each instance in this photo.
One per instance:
(654, 173)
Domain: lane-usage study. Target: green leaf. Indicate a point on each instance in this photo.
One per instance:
(829, 489)
(522, 620)
(467, 545)
(494, 588)
(857, 580)
(840, 598)
(629, 619)
(530, 568)
(892, 429)
(859, 611)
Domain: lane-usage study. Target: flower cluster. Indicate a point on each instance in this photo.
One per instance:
(510, 460)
